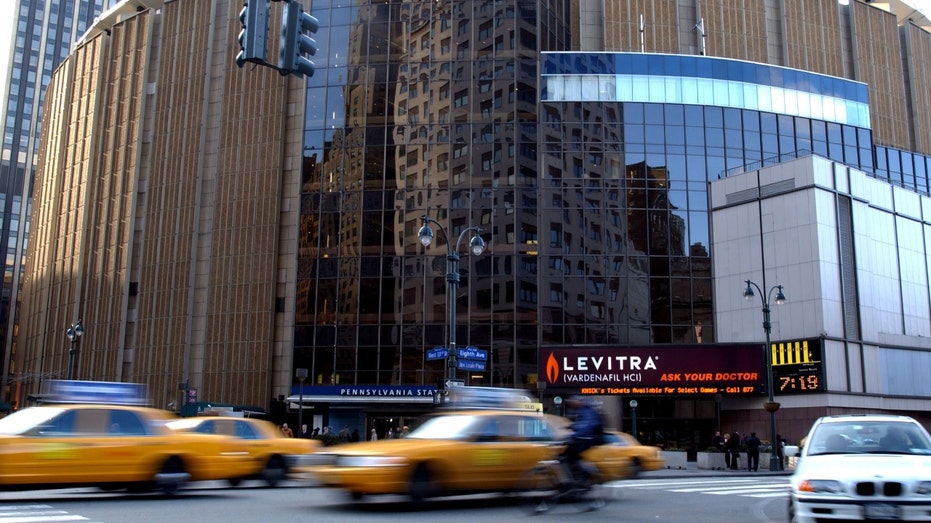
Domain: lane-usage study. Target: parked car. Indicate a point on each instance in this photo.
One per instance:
(111, 447)
(272, 455)
(862, 468)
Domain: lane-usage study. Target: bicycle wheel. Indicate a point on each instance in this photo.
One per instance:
(595, 496)
(538, 490)
(591, 493)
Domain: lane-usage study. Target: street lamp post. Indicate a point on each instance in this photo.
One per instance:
(633, 416)
(476, 246)
(301, 376)
(75, 331)
(770, 406)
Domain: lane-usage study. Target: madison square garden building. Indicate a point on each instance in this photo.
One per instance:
(630, 164)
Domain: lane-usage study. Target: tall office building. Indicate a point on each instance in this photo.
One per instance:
(223, 228)
(39, 36)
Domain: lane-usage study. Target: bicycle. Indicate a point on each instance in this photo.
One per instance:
(550, 483)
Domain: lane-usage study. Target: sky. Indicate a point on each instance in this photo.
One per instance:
(7, 8)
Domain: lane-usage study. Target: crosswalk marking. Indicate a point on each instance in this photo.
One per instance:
(35, 514)
(747, 487)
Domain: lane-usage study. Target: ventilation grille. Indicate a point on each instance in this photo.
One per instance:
(753, 193)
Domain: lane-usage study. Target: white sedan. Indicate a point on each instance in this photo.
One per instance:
(862, 468)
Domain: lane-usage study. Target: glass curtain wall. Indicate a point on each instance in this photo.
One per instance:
(421, 108)
(594, 212)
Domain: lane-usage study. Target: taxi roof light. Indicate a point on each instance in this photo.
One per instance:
(95, 392)
(467, 396)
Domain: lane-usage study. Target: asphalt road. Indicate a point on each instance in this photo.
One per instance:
(654, 498)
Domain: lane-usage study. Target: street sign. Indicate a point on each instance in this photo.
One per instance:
(473, 353)
(471, 365)
(437, 353)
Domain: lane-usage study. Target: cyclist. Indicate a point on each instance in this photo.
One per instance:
(587, 430)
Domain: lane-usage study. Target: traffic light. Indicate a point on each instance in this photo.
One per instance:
(295, 43)
(253, 38)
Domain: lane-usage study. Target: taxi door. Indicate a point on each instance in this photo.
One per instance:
(246, 439)
(45, 455)
(111, 445)
(74, 447)
(500, 452)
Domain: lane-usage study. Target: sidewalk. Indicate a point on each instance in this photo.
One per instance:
(692, 471)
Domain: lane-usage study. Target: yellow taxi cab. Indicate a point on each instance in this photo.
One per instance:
(273, 456)
(110, 446)
(455, 452)
(643, 458)
(614, 443)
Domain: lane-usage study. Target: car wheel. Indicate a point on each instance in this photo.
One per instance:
(356, 496)
(172, 476)
(792, 517)
(275, 471)
(635, 468)
(234, 482)
(421, 486)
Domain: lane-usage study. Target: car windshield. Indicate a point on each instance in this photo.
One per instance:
(24, 420)
(872, 437)
(445, 427)
(188, 424)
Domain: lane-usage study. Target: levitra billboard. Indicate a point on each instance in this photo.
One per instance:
(733, 369)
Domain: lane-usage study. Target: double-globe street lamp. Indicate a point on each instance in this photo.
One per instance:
(75, 331)
(476, 246)
(770, 406)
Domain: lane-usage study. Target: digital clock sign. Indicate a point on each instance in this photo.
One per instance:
(798, 366)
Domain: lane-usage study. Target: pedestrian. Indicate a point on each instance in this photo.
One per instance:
(718, 443)
(733, 445)
(404, 431)
(345, 436)
(374, 435)
(305, 432)
(779, 448)
(288, 433)
(315, 433)
(355, 436)
(753, 452)
(727, 450)
(389, 434)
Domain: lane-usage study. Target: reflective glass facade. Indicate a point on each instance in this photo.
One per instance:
(593, 206)
(420, 108)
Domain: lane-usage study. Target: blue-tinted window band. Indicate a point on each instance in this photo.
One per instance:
(709, 67)
(704, 91)
(706, 80)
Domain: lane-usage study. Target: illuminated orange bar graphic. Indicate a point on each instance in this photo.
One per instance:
(791, 353)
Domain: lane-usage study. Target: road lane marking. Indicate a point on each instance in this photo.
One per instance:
(747, 487)
(35, 514)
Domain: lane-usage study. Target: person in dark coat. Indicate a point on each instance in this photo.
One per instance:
(304, 432)
(587, 431)
(779, 448)
(733, 447)
(718, 443)
(753, 452)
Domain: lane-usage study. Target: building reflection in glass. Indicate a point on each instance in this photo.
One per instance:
(595, 213)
